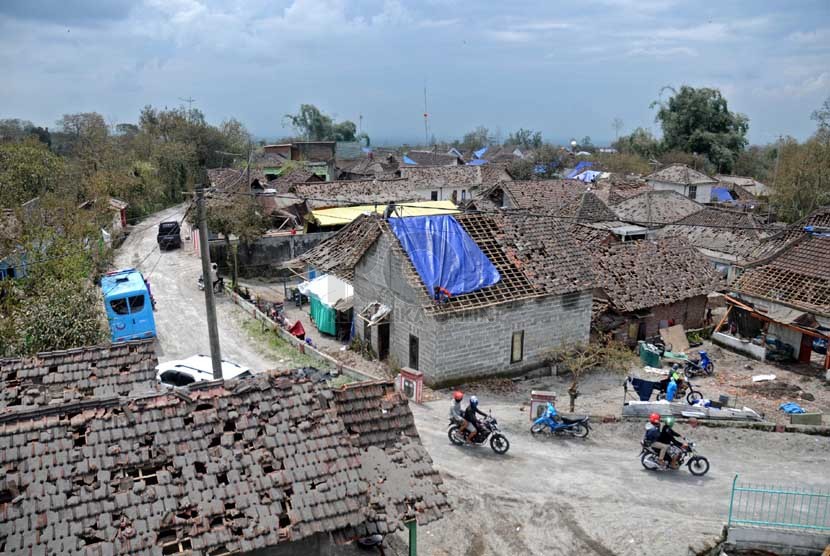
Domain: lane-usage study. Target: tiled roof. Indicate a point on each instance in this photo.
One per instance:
(232, 179)
(589, 237)
(357, 192)
(726, 231)
(340, 253)
(642, 274)
(593, 209)
(681, 175)
(78, 374)
(268, 160)
(560, 197)
(798, 275)
(429, 158)
(656, 208)
(493, 173)
(284, 182)
(220, 468)
(461, 177)
(743, 181)
(819, 218)
(619, 191)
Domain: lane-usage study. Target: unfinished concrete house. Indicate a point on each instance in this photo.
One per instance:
(529, 290)
(646, 285)
(686, 181)
(268, 465)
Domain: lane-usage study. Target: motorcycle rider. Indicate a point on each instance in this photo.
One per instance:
(470, 417)
(669, 437)
(671, 388)
(652, 438)
(457, 413)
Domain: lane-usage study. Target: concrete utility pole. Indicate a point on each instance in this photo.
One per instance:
(207, 276)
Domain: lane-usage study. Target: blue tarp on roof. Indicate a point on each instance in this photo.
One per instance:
(721, 194)
(480, 152)
(366, 149)
(584, 165)
(588, 176)
(407, 160)
(444, 254)
(477, 162)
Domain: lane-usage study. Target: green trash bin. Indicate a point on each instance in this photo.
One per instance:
(649, 355)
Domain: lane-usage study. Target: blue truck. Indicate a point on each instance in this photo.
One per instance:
(129, 305)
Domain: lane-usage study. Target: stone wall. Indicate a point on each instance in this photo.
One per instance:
(267, 254)
(471, 344)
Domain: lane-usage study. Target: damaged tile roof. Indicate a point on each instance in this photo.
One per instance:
(819, 218)
(619, 191)
(725, 231)
(493, 173)
(78, 374)
(550, 196)
(461, 177)
(656, 208)
(641, 274)
(590, 237)
(232, 179)
(429, 158)
(340, 253)
(680, 174)
(593, 209)
(357, 192)
(798, 275)
(216, 469)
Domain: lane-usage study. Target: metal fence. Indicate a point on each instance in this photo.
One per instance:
(779, 507)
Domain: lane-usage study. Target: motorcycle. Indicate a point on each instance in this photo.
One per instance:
(698, 465)
(698, 367)
(488, 428)
(574, 427)
(218, 285)
(684, 388)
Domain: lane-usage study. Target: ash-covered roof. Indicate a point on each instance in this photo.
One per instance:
(798, 275)
(656, 208)
(220, 468)
(493, 173)
(78, 374)
(460, 177)
(680, 174)
(232, 179)
(429, 158)
(819, 218)
(357, 192)
(560, 197)
(590, 237)
(641, 274)
(726, 231)
(340, 253)
(620, 190)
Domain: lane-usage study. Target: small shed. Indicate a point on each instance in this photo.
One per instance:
(328, 295)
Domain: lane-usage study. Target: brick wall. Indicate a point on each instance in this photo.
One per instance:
(471, 344)
(688, 312)
(266, 255)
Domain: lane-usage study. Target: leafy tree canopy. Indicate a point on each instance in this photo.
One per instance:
(525, 138)
(313, 125)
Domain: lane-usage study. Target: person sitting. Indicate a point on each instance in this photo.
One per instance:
(652, 438)
(670, 437)
(470, 417)
(457, 412)
(671, 388)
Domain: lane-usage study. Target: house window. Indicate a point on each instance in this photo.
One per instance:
(413, 352)
(463, 194)
(517, 347)
(433, 195)
(693, 192)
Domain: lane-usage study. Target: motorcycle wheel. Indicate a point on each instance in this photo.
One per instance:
(709, 368)
(698, 466)
(693, 396)
(537, 428)
(579, 431)
(499, 444)
(648, 461)
(453, 435)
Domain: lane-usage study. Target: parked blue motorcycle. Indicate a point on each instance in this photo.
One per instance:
(578, 428)
(702, 366)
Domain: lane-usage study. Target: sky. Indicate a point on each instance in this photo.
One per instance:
(567, 69)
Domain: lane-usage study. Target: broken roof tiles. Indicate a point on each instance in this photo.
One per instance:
(725, 231)
(459, 177)
(680, 174)
(656, 208)
(77, 374)
(357, 192)
(340, 253)
(429, 158)
(233, 179)
(642, 274)
(215, 469)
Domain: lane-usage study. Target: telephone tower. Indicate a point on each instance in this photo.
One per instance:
(426, 118)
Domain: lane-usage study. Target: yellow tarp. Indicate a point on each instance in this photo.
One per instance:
(343, 215)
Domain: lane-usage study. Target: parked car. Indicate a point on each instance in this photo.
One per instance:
(169, 235)
(197, 368)
(820, 346)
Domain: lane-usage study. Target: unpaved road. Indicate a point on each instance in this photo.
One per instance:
(180, 316)
(558, 496)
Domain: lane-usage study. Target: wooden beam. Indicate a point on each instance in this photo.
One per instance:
(726, 314)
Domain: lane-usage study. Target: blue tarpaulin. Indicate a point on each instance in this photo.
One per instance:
(721, 194)
(480, 152)
(444, 255)
(588, 176)
(584, 165)
(477, 162)
(407, 160)
(791, 407)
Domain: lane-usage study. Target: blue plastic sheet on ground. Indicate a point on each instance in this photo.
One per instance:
(578, 169)
(407, 160)
(444, 255)
(791, 407)
(721, 194)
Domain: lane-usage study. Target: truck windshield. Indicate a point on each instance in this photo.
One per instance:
(119, 306)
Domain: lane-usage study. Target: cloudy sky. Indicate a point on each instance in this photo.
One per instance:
(565, 68)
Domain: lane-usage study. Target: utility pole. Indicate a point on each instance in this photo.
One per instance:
(426, 117)
(210, 304)
(189, 100)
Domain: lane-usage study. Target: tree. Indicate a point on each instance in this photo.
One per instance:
(622, 163)
(476, 139)
(617, 125)
(313, 125)
(525, 138)
(237, 216)
(802, 181)
(586, 144)
(699, 121)
(28, 169)
(822, 116)
(640, 142)
(580, 359)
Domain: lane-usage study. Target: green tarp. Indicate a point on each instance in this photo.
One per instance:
(323, 316)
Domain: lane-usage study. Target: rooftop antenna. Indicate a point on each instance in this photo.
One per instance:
(426, 116)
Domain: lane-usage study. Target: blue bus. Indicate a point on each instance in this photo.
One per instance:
(128, 304)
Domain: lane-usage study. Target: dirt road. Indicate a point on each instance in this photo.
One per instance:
(180, 315)
(555, 496)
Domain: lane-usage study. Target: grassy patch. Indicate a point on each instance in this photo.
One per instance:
(278, 348)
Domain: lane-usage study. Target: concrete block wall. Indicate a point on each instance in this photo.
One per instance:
(255, 259)
(477, 344)
(688, 312)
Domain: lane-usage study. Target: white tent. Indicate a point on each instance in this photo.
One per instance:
(328, 288)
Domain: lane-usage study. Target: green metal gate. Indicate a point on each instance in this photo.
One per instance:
(779, 507)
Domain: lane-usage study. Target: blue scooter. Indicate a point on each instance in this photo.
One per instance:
(702, 366)
(574, 427)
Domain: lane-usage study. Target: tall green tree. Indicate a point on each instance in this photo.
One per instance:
(313, 125)
(698, 120)
(29, 169)
(640, 143)
(525, 138)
